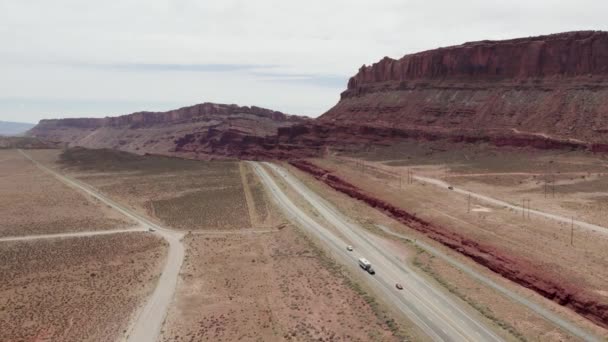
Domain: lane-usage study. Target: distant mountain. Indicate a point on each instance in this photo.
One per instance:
(195, 132)
(14, 128)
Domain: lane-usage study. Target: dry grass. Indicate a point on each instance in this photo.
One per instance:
(266, 287)
(222, 207)
(183, 194)
(77, 289)
(34, 202)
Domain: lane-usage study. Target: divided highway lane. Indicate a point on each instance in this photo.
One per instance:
(150, 319)
(546, 313)
(431, 310)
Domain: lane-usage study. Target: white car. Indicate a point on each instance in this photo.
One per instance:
(349, 248)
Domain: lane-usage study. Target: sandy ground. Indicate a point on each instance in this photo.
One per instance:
(247, 275)
(34, 202)
(265, 287)
(76, 289)
(265, 284)
(567, 183)
(427, 200)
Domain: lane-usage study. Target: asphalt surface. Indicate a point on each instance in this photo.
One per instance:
(149, 321)
(436, 314)
(559, 321)
(547, 314)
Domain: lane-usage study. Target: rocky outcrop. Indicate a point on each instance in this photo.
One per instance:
(564, 54)
(554, 87)
(201, 131)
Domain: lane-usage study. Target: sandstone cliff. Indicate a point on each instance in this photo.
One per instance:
(543, 92)
(198, 131)
(551, 87)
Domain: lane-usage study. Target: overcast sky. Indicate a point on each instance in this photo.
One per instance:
(74, 58)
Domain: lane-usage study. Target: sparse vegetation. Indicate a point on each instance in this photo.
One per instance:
(106, 160)
(77, 289)
(272, 286)
(184, 194)
(25, 143)
(33, 202)
(220, 207)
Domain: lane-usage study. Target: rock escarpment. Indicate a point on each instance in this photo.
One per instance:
(543, 92)
(551, 87)
(199, 131)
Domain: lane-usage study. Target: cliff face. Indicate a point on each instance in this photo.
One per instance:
(552, 87)
(572, 53)
(197, 131)
(545, 92)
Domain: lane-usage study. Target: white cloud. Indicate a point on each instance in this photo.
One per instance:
(317, 42)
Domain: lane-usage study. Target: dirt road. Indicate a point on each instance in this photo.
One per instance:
(70, 235)
(431, 310)
(491, 200)
(150, 319)
(567, 220)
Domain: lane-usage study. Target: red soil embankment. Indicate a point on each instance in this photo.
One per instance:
(515, 269)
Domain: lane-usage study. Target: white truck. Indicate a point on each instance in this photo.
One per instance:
(366, 265)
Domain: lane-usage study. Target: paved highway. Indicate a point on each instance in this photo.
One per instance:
(546, 313)
(437, 315)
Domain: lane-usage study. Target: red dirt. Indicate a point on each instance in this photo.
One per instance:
(516, 269)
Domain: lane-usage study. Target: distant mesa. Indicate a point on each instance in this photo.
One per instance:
(8, 128)
(204, 130)
(548, 91)
(542, 92)
(566, 54)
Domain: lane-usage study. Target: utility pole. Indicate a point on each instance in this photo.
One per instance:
(525, 208)
(572, 232)
(469, 203)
